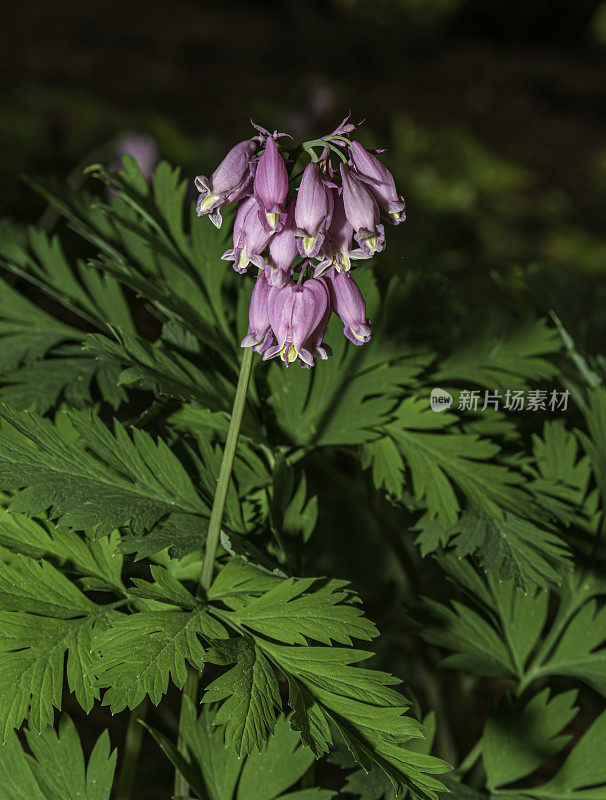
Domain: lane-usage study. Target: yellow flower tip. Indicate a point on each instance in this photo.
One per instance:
(272, 218)
(309, 244)
(372, 243)
(208, 202)
(243, 259)
(288, 354)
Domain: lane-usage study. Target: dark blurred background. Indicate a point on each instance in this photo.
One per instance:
(526, 79)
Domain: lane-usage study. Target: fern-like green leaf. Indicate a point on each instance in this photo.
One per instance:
(56, 770)
(297, 610)
(141, 652)
(328, 688)
(496, 633)
(504, 362)
(248, 691)
(215, 771)
(94, 560)
(518, 741)
(43, 618)
(114, 481)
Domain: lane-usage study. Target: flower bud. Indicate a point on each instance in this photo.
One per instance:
(260, 336)
(271, 187)
(362, 212)
(337, 250)
(295, 312)
(231, 181)
(381, 183)
(249, 238)
(143, 148)
(348, 303)
(282, 249)
(313, 211)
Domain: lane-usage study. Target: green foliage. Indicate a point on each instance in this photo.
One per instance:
(271, 620)
(504, 363)
(297, 610)
(56, 769)
(160, 368)
(45, 618)
(327, 689)
(517, 742)
(374, 784)
(111, 438)
(140, 652)
(499, 630)
(92, 560)
(27, 333)
(103, 480)
(513, 547)
(41, 385)
(292, 512)
(250, 693)
(215, 772)
(529, 550)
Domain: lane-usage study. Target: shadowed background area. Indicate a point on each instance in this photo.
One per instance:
(527, 79)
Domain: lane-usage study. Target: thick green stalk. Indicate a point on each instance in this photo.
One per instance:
(214, 527)
(229, 454)
(132, 749)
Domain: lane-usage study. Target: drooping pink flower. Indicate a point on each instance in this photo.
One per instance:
(313, 211)
(249, 238)
(315, 343)
(362, 212)
(231, 181)
(259, 337)
(295, 312)
(347, 301)
(271, 188)
(381, 183)
(282, 249)
(337, 250)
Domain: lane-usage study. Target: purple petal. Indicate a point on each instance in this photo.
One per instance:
(271, 178)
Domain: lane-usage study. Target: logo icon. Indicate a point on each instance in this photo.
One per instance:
(440, 400)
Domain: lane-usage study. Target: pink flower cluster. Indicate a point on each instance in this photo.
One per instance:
(303, 234)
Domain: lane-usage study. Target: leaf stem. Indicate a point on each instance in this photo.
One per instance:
(565, 612)
(132, 748)
(214, 529)
(470, 759)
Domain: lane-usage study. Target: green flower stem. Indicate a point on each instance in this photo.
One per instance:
(132, 748)
(535, 669)
(231, 443)
(340, 138)
(323, 143)
(214, 528)
(311, 152)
